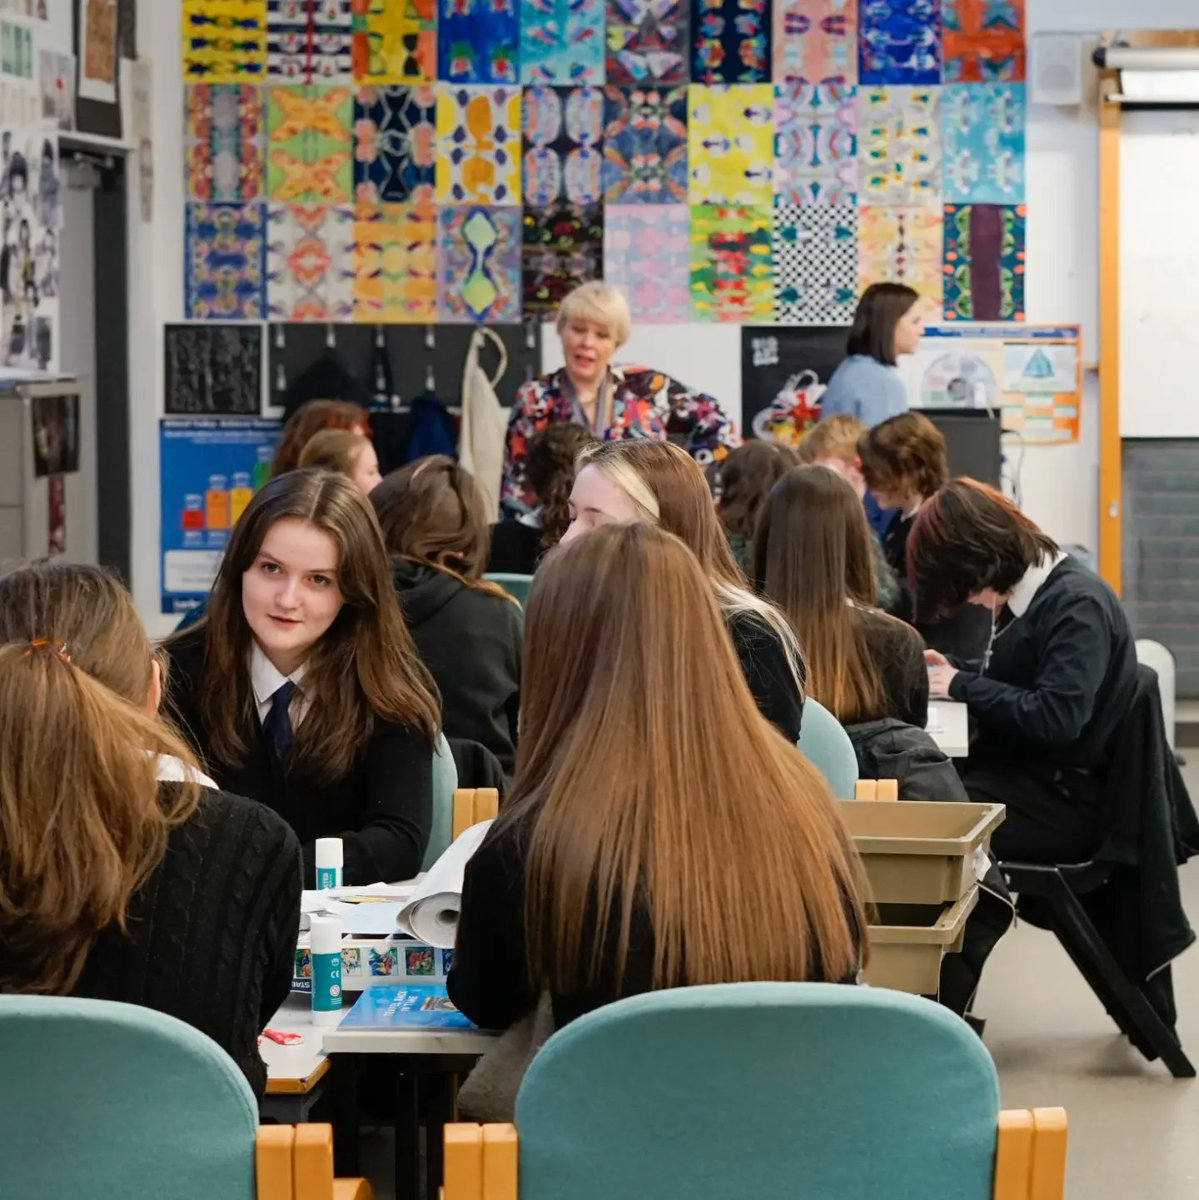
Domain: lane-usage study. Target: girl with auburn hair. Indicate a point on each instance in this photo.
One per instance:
(657, 482)
(349, 453)
(302, 689)
(467, 631)
(607, 871)
(812, 558)
(111, 839)
(309, 419)
(1057, 678)
(517, 543)
(746, 478)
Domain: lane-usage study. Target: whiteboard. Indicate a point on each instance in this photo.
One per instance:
(1159, 274)
(706, 357)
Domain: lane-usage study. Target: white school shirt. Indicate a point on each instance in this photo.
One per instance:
(172, 770)
(1022, 594)
(266, 680)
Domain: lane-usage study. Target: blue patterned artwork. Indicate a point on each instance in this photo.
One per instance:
(478, 41)
(645, 145)
(395, 142)
(479, 265)
(563, 128)
(899, 41)
(225, 265)
(562, 41)
(983, 143)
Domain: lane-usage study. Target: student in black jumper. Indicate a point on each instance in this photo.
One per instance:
(302, 689)
(638, 479)
(518, 543)
(467, 631)
(646, 781)
(1053, 686)
(123, 874)
(812, 557)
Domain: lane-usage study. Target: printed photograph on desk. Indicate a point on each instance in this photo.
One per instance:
(563, 131)
(213, 369)
(308, 41)
(224, 142)
(562, 41)
(394, 41)
(645, 145)
(815, 41)
(648, 42)
(224, 41)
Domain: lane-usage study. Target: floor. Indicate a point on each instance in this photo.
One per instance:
(1132, 1127)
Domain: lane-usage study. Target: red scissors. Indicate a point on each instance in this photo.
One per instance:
(282, 1038)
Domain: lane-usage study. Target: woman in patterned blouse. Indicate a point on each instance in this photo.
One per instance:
(614, 402)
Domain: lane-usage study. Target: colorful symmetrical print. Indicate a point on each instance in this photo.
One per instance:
(984, 262)
(225, 269)
(310, 262)
(983, 41)
(902, 244)
(563, 129)
(563, 247)
(730, 41)
(394, 41)
(815, 249)
(308, 42)
(647, 254)
(984, 142)
(899, 145)
(562, 41)
(308, 144)
(395, 263)
(815, 143)
(815, 41)
(478, 145)
(645, 145)
(731, 264)
(395, 143)
(731, 144)
(478, 41)
(899, 41)
(648, 42)
(479, 265)
(223, 142)
(224, 41)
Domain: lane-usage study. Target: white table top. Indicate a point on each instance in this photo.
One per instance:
(300, 1062)
(948, 727)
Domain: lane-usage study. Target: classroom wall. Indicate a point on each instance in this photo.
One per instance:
(1059, 483)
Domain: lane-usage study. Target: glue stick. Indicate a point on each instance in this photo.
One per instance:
(328, 863)
(326, 970)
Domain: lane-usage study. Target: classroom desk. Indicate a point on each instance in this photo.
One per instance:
(295, 1075)
(949, 728)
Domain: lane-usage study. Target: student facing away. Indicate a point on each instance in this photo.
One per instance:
(611, 869)
(302, 689)
(123, 875)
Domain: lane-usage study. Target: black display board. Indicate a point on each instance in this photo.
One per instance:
(213, 369)
(772, 354)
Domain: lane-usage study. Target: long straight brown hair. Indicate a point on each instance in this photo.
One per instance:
(365, 667)
(632, 771)
(811, 556)
(83, 821)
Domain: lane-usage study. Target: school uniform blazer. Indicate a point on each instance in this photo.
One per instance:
(382, 809)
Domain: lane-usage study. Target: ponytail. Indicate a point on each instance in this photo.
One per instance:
(83, 821)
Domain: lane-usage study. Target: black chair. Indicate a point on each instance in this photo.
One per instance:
(1120, 916)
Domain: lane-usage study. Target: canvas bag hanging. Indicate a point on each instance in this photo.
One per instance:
(484, 422)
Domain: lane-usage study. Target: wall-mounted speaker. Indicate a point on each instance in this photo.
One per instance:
(1055, 69)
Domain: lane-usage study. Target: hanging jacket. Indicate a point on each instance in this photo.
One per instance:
(889, 749)
(484, 422)
(430, 429)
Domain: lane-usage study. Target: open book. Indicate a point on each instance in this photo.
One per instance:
(431, 913)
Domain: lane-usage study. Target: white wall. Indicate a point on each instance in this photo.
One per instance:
(1060, 483)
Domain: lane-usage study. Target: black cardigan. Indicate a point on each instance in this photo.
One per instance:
(382, 810)
(1061, 677)
(212, 932)
(767, 671)
(515, 547)
(471, 642)
(489, 979)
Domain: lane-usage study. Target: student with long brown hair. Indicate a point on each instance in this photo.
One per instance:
(310, 419)
(643, 480)
(636, 851)
(467, 631)
(123, 875)
(746, 477)
(812, 558)
(302, 689)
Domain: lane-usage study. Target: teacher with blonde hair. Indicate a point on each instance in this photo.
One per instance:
(614, 402)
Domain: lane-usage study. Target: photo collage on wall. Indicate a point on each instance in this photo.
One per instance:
(473, 160)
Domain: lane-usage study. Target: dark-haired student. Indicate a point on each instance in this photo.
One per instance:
(124, 874)
(467, 631)
(302, 689)
(1055, 682)
(518, 542)
(746, 477)
(889, 322)
(811, 557)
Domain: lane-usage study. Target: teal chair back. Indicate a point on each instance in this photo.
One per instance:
(516, 585)
(106, 1099)
(776, 1091)
(445, 784)
(824, 740)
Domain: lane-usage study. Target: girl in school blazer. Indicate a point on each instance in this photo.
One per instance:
(301, 688)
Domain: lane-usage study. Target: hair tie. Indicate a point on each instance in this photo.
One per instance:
(48, 646)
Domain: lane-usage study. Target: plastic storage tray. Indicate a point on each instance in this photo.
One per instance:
(909, 941)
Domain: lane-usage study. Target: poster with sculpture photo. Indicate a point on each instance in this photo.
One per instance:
(30, 223)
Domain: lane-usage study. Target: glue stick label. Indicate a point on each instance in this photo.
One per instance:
(326, 981)
(327, 877)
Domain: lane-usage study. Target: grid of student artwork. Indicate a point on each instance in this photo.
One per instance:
(724, 160)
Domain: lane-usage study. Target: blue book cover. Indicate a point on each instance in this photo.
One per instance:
(405, 1006)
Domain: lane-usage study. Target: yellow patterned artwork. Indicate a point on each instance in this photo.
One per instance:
(395, 263)
(394, 41)
(478, 145)
(731, 143)
(224, 41)
(902, 244)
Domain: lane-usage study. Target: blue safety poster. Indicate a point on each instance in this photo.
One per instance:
(209, 468)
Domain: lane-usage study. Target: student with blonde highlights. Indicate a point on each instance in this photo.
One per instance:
(622, 482)
(612, 401)
(302, 688)
(347, 452)
(812, 558)
(607, 873)
(123, 875)
(467, 631)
